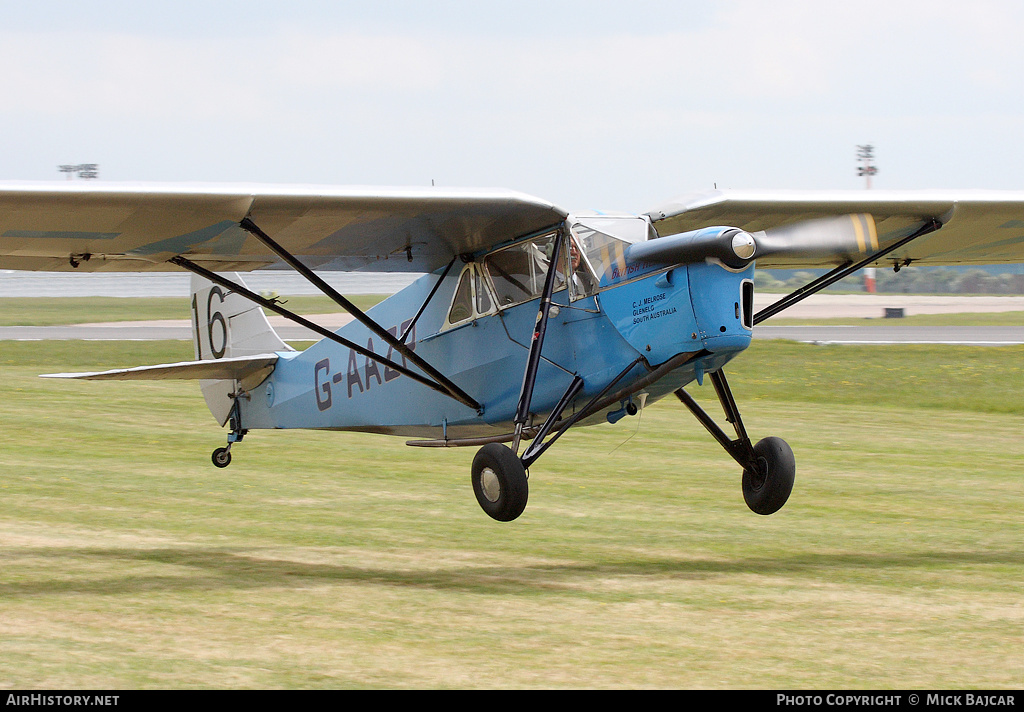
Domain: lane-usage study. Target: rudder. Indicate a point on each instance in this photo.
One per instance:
(226, 324)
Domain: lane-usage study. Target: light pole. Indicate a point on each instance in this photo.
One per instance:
(866, 169)
(85, 171)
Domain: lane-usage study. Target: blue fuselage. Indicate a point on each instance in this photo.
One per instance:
(695, 316)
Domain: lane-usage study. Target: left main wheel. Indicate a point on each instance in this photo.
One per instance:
(500, 482)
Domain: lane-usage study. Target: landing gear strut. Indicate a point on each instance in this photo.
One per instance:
(769, 467)
(499, 475)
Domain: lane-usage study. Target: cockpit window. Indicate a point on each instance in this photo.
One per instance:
(483, 294)
(583, 281)
(518, 272)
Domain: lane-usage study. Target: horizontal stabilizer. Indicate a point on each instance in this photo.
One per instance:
(251, 370)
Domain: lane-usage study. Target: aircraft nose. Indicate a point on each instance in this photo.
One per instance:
(722, 303)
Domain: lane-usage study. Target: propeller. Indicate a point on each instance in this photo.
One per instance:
(839, 237)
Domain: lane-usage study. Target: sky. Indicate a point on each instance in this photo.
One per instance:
(589, 104)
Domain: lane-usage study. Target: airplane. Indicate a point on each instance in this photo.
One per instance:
(528, 320)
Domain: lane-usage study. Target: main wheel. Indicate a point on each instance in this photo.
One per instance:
(221, 457)
(767, 487)
(500, 482)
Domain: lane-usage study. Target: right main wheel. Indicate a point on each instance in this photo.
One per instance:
(767, 486)
(500, 482)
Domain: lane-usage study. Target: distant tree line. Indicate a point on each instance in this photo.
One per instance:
(909, 280)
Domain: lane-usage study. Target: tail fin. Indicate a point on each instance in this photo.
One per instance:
(225, 325)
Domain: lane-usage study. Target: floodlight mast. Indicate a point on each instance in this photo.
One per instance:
(867, 167)
(85, 171)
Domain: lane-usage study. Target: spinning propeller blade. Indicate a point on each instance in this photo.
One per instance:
(834, 237)
(840, 236)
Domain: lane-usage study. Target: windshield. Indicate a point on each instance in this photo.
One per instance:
(606, 254)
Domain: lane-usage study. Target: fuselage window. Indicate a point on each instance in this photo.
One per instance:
(462, 304)
(472, 297)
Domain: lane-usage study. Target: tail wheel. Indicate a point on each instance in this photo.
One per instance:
(221, 457)
(768, 484)
(500, 482)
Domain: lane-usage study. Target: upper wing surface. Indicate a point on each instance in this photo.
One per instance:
(983, 227)
(138, 227)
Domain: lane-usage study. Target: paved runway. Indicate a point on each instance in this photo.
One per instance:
(873, 306)
(171, 329)
(128, 331)
(971, 335)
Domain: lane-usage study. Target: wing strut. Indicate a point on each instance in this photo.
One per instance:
(323, 331)
(447, 386)
(433, 291)
(839, 272)
(599, 402)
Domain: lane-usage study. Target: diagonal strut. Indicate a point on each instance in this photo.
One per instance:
(839, 272)
(312, 326)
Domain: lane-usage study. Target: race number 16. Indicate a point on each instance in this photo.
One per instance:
(216, 325)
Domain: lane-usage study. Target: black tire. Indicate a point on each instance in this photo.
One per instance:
(499, 482)
(221, 457)
(768, 488)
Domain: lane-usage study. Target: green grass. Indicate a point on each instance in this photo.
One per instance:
(925, 377)
(322, 560)
(53, 311)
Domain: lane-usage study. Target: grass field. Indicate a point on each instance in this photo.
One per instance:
(320, 560)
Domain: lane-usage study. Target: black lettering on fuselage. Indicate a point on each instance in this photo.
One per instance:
(353, 373)
(371, 370)
(391, 374)
(322, 390)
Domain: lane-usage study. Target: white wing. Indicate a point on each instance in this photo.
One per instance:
(979, 227)
(129, 228)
